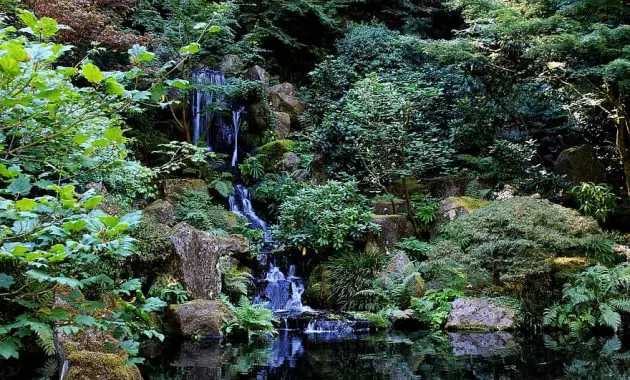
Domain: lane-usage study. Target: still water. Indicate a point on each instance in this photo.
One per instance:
(292, 355)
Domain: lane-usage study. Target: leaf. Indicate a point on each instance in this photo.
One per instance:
(114, 134)
(139, 54)
(6, 281)
(93, 202)
(113, 87)
(9, 348)
(92, 73)
(9, 66)
(130, 286)
(191, 48)
(178, 83)
(20, 185)
(25, 204)
(24, 226)
(85, 320)
(153, 304)
(200, 25)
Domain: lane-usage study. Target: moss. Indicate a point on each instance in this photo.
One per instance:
(154, 243)
(271, 153)
(91, 365)
(470, 204)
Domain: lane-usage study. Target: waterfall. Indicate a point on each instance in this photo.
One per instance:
(236, 122)
(240, 203)
(202, 102)
(284, 293)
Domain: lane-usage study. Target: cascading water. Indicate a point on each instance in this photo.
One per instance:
(283, 293)
(240, 202)
(236, 123)
(203, 104)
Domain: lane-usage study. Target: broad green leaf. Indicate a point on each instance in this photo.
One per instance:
(25, 204)
(20, 185)
(53, 94)
(6, 281)
(92, 73)
(178, 83)
(9, 66)
(109, 221)
(93, 202)
(191, 48)
(24, 226)
(85, 320)
(9, 348)
(139, 54)
(80, 138)
(113, 87)
(214, 29)
(114, 134)
(200, 25)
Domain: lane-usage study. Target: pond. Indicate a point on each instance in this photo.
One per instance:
(423, 355)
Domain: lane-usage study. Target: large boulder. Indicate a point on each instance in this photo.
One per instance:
(580, 164)
(290, 161)
(284, 98)
(480, 314)
(271, 153)
(199, 319)
(257, 73)
(162, 211)
(94, 355)
(231, 64)
(282, 128)
(174, 188)
(393, 228)
(196, 259)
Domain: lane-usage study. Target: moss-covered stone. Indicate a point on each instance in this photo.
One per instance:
(271, 153)
(199, 319)
(580, 164)
(174, 188)
(468, 203)
(393, 228)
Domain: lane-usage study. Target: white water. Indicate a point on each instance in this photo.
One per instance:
(202, 103)
(240, 203)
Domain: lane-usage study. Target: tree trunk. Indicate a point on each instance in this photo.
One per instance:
(623, 153)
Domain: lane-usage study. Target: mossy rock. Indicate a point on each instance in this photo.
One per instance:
(271, 153)
(199, 319)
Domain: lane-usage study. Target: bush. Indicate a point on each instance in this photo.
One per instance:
(434, 307)
(352, 272)
(196, 209)
(516, 237)
(595, 200)
(154, 242)
(333, 215)
(371, 47)
(250, 319)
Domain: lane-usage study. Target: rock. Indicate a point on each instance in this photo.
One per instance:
(259, 74)
(506, 192)
(271, 153)
(196, 259)
(393, 229)
(283, 124)
(231, 63)
(481, 344)
(290, 161)
(580, 164)
(451, 208)
(174, 188)
(161, 211)
(284, 98)
(453, 186)
(94, 355)
(398, 268)
(199, 319)
(384, 207)
(480, 314)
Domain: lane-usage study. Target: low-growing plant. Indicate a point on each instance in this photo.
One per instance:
(169, 290)
(596, 298)
(594, 200)
(196, 209)
(250, 319)
(252, 169)
(416, 249)
(433, 307)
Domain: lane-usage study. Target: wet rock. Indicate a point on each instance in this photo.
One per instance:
(174, 188)
(580, 164)
(290, 161)
(162, 211)
(284, 98)
(94, 355)
(231, 64)
(481, 344)
(385, 207)
(196, 258)
(480, 314)
(199, 319)
(259, 74)
(393, 228)
(282, 127)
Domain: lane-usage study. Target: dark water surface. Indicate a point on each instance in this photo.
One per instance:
(293, 355)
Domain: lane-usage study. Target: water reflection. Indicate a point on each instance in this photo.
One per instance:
(438, 355)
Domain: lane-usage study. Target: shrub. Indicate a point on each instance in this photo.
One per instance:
(154, 242)
(169, 290)
(196, 209)
(250, 319)
(434, 307)
(597, 201)
(595, 298)
(352, 272)
(331, 215)
(516, 236)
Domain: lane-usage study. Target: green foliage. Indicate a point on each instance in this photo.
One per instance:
(433, 308)
(169, 290)
(596, 298)
(425, 211)
(597, 201)
(415, 249)
(273, 190)
(516, 237)
(251, 169)
(196, 209)
(250, 320)
(333, 215)
(353, 272)
(235, 280)
(185, 158)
